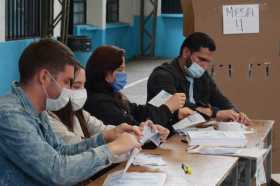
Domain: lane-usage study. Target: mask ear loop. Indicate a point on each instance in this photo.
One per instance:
(60, 88)
(44, 89)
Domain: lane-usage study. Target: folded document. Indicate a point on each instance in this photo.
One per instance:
(135, 179)
(190, 121)
(216, 138)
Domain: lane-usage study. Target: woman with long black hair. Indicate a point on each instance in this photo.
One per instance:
(105, 74)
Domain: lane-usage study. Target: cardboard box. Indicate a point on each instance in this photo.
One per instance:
(247, 64)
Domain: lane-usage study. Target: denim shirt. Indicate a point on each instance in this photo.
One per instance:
(31, 154)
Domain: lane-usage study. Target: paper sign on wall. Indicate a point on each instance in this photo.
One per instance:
(241, 19)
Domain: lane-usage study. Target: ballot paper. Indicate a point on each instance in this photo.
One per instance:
(206, 150)
(142, 159)
(260, 172)
(252, 153)
(131, 159)
(148, 134)
(135, 179)
(216, 138)
(231, 126)
(189, 121)
(160, 98)
(186, 130)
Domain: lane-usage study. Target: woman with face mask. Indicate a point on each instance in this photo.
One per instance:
(73, 124)
(68, 119)
(105, 73)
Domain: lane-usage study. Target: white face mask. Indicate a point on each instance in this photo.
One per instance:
(195, 70)
(61, 101)
(78, 98)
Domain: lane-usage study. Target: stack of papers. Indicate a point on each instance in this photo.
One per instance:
(231, 126)
(253, 153)
(190, 121)
(148, 160)
(161, 98)
(216, 138)
(135, 179)
(206, 150)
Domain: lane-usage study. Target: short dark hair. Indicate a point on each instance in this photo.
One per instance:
(198, 40)
(45, 53)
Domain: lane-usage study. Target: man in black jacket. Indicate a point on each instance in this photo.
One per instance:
(187, 73)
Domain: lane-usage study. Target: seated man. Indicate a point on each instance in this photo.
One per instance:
(187, 73)
(30, 153)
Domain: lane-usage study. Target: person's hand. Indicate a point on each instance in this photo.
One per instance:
(113, 133)
(123, 144)
(227, 115)
(243, 118)
(184, 112)
(205, 110)
(163, 132)
(176, 101)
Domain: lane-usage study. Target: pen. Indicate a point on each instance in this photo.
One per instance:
(187, 169)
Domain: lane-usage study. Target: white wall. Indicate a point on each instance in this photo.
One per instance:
(126, 11)
(130, 8)
(96, 13)
(2, 20)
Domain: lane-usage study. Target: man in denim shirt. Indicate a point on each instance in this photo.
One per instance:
(30, 153)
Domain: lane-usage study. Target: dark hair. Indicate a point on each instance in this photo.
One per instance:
(198, 40)
(46, 53)
(66, 114)
(103, 60)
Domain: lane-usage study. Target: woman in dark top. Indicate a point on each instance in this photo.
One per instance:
(105, 77)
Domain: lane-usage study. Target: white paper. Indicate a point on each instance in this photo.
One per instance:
(216, 138)
(131, 159)
(189, 121)
(231, 126)
(241, 19)
(260, 172)
(135, 179)
(161, 98)
(254, 153)
(214, 150)
(142, 159)
(186, 130)
(148, 134)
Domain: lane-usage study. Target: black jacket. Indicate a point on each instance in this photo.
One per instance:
(102, 104)
(171, 78)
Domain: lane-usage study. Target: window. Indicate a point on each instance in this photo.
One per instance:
(27, 18)
(171, 7)
(112, 11)
(79, 12)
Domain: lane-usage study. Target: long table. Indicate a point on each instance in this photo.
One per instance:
(207, 170)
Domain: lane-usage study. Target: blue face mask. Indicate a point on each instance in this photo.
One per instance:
(195, 70)
(120, 82)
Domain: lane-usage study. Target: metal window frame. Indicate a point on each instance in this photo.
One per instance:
(171, 7)
(84, 12)
(27, 18)
(109, 14)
